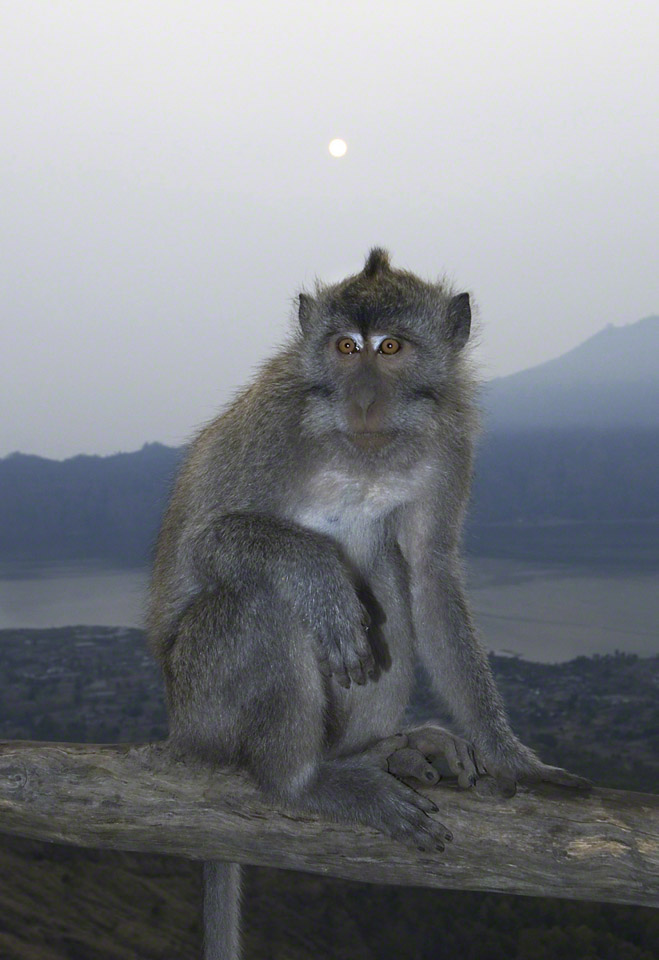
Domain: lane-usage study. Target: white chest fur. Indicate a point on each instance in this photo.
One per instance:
(350, 508)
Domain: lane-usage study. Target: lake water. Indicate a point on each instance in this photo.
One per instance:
(60, 595)
(541, 612)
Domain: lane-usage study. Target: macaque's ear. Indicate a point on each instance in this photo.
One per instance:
(305, 311)
(458, 317)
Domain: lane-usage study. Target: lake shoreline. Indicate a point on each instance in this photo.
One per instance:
(539, 611)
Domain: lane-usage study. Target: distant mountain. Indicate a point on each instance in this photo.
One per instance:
(85, 507)
(572, 474)
(572, 441)
(608, 381)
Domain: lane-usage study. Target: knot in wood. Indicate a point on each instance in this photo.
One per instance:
(13, 776)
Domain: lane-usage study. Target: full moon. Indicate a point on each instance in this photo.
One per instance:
(338, 148)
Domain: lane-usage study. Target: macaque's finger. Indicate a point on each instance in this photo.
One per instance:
(459, 756)
(410, 763)
(344, 664)
(414, 822)
(466, 762)
(460, 763)
(339, 672)
(364, 653)
(371, 666)
(355, 669)
(421, 831)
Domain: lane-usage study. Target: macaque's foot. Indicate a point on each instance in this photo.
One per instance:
(345, 651)
(499, 787)
(547, 774)
(519, 764)
(441, 747)
(396, 808)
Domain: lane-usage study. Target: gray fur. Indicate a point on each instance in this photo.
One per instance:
(311, 551)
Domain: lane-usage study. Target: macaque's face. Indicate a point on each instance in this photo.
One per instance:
(379, 357)
(367, 368)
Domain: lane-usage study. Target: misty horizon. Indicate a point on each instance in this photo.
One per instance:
(594, 367)
(168, 189)
(630, 367)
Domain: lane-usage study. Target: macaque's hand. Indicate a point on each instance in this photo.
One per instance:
(344, 649)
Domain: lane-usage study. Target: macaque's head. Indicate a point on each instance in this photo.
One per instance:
(381, 353)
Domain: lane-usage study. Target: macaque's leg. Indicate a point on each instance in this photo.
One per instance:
(460, 670)
(263, 670)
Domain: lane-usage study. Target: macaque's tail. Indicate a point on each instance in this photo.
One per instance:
(221, 911)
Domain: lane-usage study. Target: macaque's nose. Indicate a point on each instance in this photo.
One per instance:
(366, 408)
(365, 401)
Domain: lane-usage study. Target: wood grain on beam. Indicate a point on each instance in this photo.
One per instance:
(600, 846)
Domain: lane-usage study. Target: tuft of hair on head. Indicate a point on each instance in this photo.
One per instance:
(377, 262)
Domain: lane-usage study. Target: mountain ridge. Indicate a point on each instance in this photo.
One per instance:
(608, 380)
(626, 334)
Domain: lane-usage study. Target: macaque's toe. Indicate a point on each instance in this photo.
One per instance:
(384, 749)
(558, 776)
(495, 787)
(409, 762)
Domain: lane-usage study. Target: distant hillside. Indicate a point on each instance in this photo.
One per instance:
(573, 474)
(84, 507)
(609, 381)
(109, 508)
(575, 440)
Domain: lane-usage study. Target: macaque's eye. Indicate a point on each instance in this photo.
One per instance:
(347, 345)
(390, 346)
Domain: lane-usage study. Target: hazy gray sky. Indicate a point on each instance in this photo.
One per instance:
(167, 187)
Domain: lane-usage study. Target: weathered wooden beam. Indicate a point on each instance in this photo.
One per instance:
(550, 842)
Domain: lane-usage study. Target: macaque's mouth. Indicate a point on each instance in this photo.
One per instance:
(370, 439)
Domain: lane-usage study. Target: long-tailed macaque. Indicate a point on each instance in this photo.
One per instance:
(310, 554)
